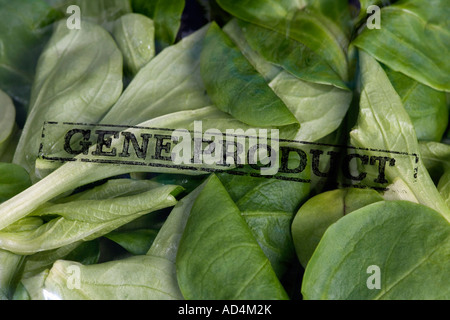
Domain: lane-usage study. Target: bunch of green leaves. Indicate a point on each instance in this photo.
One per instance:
(311, 69)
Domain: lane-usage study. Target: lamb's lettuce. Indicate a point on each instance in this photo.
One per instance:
(67, 87)
(265, 68)
(338, 16)
(167, 16)
(248, 98)
(293, 56)
(321, 211)
(77, 174)
(386, 236)
(10, 264)
(101, 12)
(310, 104)
(310, 68)
(218, 249)
(308, 101)
(384, 124)
(24, 30)
(84, 219)
(444, 187)
(13, 180)
(135, 37)
(426, 106)
(361, 12)
(151, 276)
(8, 126)
(436, 158)
(268, 206)
(136, 242)
(305, 26)
(134, 278)
(85, 252)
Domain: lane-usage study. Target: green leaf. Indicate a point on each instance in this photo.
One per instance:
(384, 124)
(133, 278)
(426, 107)
(74, 174)
(152, 276)
(321, 211)
(408, 242)
(167, 17)
(135, 36)
(20, 293)
(101, 12)
(248, 10)
(85, 252)
(268, 206)
(189, 183)
(218, 250)
(136, 239)
(25, 224)
(364, 5)
(86, 219)
(168, 239)
(7, 122)
(293, 56)
(23, 33)
(435, 157)
(310, 104)
(137, 242)
(444, 187)
(417, 30)
(267, 69)
(13, 180)
(337, 12)
(446, 137)
(235, 87)
(111, 189)
(318, 34)
(67, 87)
(308, 26)
(10, 147)
(213, 118)
(170, 82)
(9, 270)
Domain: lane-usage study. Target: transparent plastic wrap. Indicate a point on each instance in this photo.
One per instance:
(224, 150)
